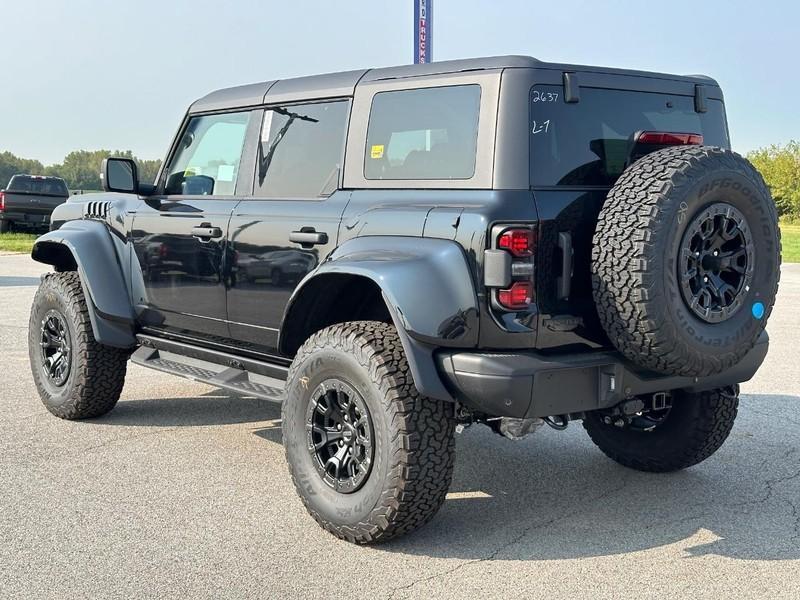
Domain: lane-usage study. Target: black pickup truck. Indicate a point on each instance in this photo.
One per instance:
(29, 200)
(394, 254)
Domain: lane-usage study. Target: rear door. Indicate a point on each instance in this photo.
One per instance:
(180, 235)
(578, 149)
(291, 222)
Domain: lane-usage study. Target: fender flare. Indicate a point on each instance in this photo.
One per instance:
(428, 288)
(87, 246)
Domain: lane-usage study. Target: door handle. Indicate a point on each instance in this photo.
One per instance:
(564, 281)
(308, 238)
(206, 232)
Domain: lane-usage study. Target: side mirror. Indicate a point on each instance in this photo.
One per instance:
(119, 175)
(198, 185)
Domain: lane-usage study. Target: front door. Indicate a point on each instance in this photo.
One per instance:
(180, 236)
(291, 222)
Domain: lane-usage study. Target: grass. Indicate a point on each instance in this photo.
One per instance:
(17, 242)
(790, 240)
(790, 237)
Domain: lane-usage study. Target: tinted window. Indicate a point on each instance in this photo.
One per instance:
(207, 159)
(589, 142)
(38, 185)
(429, 133)
(301, 147)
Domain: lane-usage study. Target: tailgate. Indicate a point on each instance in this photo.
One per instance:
(578, 149)
(31, 204)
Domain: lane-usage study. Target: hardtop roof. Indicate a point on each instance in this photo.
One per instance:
(332, 85)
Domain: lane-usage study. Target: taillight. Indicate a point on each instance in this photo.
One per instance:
(510, 266)
(517, 241)
(518, 296)
(665, 138)
(2, 202)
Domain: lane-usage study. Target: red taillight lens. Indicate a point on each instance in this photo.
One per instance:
(518, 296)
(2, 202)
(519, 242)
(664, 138)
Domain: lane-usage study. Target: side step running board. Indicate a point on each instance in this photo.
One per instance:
(196, 369)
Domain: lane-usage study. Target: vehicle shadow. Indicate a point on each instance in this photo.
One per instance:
(216, 407)
(554, 495)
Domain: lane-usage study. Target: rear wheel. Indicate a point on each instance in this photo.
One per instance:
(685, 434)
(77, 377)
(371, 459)
(5, 226)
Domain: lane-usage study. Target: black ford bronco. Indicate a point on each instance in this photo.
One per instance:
(397, 253)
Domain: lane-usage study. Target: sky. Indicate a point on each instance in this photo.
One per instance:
(120, 75)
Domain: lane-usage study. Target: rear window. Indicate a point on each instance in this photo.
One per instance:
(38, 185)
(428, 133)
(588, 143)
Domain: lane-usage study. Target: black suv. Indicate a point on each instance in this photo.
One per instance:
(397, 253)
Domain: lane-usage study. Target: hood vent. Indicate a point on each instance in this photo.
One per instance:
(96, 210)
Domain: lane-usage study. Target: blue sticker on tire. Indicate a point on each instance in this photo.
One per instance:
(758, 310)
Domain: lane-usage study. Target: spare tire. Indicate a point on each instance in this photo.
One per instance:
(686, 259)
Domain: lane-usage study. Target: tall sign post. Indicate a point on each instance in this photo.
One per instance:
(423, 31)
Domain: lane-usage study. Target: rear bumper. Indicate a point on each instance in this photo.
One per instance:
(23, 218)
(528, 384)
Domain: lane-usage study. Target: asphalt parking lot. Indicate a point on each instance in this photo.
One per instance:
(182, 491)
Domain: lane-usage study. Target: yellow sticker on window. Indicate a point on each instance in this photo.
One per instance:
(377, 151)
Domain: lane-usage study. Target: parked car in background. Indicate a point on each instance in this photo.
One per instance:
(28, 201)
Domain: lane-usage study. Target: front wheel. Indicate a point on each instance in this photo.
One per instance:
(687, 433)
(77, 377)
(371, 459)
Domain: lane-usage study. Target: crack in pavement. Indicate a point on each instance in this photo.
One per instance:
(771, 483)
(515, 540)
(796, 517)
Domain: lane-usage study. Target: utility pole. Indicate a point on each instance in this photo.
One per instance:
(423, 31)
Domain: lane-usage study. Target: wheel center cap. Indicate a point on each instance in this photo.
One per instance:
(347, 435)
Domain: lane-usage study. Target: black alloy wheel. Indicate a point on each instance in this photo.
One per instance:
(340, 435)
(56, 348)
(716, 263)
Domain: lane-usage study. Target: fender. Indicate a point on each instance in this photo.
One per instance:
(89, 245)
(428, 289)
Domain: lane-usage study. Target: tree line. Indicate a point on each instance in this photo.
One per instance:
(80, 168)
(780, 167)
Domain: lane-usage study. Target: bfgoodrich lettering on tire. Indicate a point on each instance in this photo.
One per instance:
(685, 260)
(370, 458)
